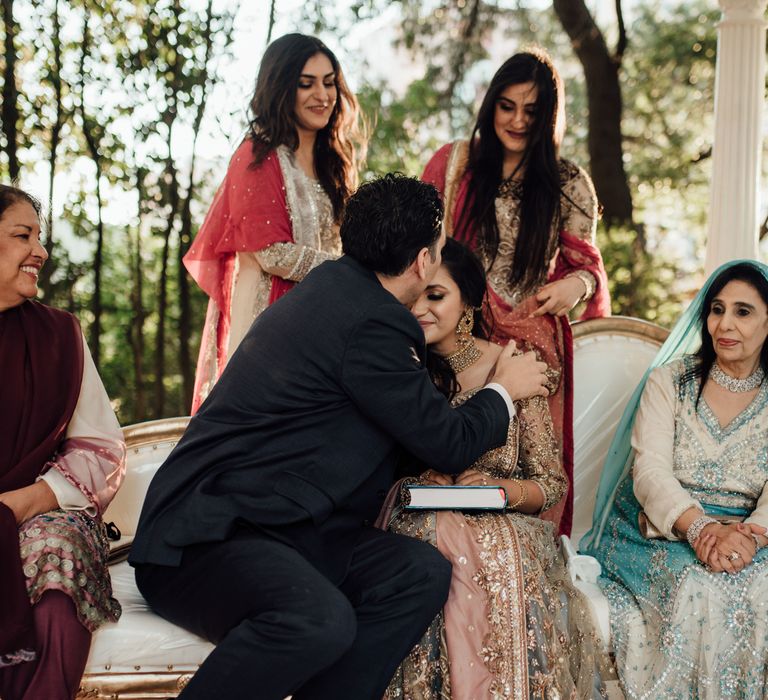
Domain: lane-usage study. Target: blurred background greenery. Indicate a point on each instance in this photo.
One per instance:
(121, 117)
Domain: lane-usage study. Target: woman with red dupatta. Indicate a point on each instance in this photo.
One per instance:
(62, 459)
(276, 215)
(531, 216)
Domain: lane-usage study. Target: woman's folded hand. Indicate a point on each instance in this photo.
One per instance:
(433, 478)
(29, 501)
(726, 548)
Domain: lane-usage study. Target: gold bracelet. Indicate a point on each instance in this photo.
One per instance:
(523, 494)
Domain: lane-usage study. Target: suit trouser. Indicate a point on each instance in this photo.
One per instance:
(281, 627)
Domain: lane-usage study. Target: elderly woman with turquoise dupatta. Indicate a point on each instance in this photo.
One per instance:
(682, 507)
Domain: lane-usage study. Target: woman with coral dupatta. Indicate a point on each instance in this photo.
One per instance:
(276, 214)
(531, 216)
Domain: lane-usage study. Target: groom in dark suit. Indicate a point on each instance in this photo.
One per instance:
(257, 531)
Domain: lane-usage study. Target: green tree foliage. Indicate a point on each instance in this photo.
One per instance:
(117, 78)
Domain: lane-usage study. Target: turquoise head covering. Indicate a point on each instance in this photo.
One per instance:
(685, 338)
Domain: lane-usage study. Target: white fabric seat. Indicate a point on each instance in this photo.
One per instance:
(610, 356)
(141, 639)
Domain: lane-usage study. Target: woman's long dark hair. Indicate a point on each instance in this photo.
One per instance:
(540, 203)
(467, 272)
(743, 272)
(273, 116)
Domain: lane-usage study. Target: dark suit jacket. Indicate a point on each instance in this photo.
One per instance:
(301, 434)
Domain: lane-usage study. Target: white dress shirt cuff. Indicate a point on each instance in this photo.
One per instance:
(504, 395)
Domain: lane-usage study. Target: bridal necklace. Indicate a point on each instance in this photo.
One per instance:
(467, 354)
(737, 386)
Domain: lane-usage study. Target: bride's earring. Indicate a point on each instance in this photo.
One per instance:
(466, 324)
(467, 352)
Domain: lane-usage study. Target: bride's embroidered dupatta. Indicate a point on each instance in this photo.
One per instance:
(41, 356)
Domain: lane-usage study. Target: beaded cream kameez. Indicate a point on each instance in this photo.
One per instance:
(578, 215)
(316, 239)
(680, 630)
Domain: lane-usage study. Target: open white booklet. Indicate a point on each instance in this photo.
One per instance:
(455, 497)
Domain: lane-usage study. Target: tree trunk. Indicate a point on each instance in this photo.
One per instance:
(138, 314)
(457, 62)
(162, 293)
(162, 309)
(48, 269)
(271, 26)
(601, 74)
(172, 200)
(98, 263)
(10, 108)
(185, 234)
(186, 366)
(92, 141)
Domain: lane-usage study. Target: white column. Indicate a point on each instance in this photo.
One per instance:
(737, 146)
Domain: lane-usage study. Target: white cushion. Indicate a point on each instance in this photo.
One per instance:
(610, 356)
(141, 640)
(147, 446)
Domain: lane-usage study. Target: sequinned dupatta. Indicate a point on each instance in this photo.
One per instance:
(254, 208)
(41, 369)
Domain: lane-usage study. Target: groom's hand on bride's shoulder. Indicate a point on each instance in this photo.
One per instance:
(521, 375)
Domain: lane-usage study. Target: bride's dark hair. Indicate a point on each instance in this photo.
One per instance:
(273, 116)
(467, 272)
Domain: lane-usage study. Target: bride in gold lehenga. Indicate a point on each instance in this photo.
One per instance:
(513, 626)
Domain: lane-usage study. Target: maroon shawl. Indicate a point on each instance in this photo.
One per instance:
(41, 365)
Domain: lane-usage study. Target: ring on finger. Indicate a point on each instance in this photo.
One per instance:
(485, 482)
(733, 556)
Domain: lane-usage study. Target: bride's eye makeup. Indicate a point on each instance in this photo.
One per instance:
(435, 296)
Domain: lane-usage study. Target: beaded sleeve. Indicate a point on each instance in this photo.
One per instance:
(92, 457)
(578, 214)
(540, 459)
(291, 261)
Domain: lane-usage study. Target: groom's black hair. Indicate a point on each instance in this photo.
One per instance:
(388, 221)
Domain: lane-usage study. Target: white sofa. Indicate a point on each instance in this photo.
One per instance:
(145, 657)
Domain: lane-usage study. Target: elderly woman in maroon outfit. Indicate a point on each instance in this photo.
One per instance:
(61, 461)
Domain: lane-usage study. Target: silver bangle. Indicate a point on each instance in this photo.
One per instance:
(694, 529)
